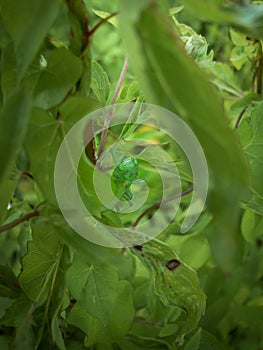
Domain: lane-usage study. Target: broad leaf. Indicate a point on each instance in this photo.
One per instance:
(175, 283)
(170, 78)
(45, 134)
(62, 71)
(26, 19)
(95, 287)
(119, 322)
(246, 18)
(40, 265)
(13, 124)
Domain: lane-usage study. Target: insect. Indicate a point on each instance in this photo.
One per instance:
(123, 176)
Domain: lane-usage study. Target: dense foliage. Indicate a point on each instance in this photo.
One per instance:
(60, 60)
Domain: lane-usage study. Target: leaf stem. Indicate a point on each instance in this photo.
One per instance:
(102, 21)
(110, 114)
(240, 117)
(156, 205)
(19, 220)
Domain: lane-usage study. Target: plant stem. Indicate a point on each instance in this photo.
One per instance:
(240, 117)
(102, 21)
(156, 205)
(110, 114)
(19, 221)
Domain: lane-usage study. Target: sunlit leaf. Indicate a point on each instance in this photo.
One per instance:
(175, 283)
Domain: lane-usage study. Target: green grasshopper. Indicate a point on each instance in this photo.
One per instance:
(123, 176)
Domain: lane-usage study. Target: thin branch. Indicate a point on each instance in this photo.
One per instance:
(110, 114)
(103, 20)
(120, 81)
(156, 205)
(259, 76)
(19, 220)
(240, 117)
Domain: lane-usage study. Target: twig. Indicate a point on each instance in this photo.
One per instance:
(156, 205)
(110, 114)
(19, 220)
(259, 76)
(103, 20)
(240, 117)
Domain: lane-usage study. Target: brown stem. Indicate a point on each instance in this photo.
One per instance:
(19, 220)
(110, 114)
(240, 117)
(93, 30)
(156, 205)
(259, 76)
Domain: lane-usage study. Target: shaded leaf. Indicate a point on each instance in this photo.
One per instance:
(95, 287)
(170, 78)
(24, 18)
(62, 71)
(9, 287)
(13, 124)
(41, 262)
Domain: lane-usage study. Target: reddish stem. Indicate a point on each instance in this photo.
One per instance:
(156, 205)
(19, 221)
(110, 114)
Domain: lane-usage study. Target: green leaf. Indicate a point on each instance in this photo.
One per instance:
(24, 18)
(42, 142)
(124, 312)
(13, 123)
(251, 226)
(25, 337)
(254, 150)
(175, 283)
(85, 80)
(100, 82)
(62, 71)
(193, 249)
(79, 317)
(224, 79)
(103, 14)
(8, 71)
(238, 39)
(41, 262)
(119, 321)
(56, 333)
(95, 287)
(44, 136)
(245, 18)
(5, 342)
(16, 313)
(4, 304)
(171, 79)
(9, 287)
(203, 340)
(153, 47)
